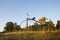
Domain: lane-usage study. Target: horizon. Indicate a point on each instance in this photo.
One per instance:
(15, 10)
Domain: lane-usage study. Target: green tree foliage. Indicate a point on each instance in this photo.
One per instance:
(9, 27)
(16, 27)
(35, 27)
(43, 27)
(50, 25)
(47, 26)
(58, 25)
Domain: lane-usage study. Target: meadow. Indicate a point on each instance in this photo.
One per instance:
(31, 35)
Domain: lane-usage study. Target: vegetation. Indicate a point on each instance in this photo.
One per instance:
(44, 25)
(58, 25)
(43, 30)
(31, 35)
(10, 27)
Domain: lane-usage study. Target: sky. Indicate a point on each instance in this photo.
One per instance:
(15, 10)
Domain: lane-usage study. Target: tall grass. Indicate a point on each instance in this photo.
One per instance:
(32, 35)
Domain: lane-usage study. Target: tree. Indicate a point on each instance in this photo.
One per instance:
(43, 23)
(16, 27)
(34, 27)
(9, 27)
(58, 25)
(42, 20)
(50, 25)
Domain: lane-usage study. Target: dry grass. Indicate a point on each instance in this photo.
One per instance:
(32, 35)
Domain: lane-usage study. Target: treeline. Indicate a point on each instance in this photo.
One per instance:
(45, 25)
(10, 27)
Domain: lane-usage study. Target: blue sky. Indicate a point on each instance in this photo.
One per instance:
(15, 10)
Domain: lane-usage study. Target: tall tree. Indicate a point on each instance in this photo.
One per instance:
(42, 20)
(58, 25)
(9, 27)
(50, 25)
(16, 27)
(34, 27)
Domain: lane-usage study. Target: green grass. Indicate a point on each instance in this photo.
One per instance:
(31, 35)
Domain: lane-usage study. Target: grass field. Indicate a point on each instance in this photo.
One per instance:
(31, 35)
